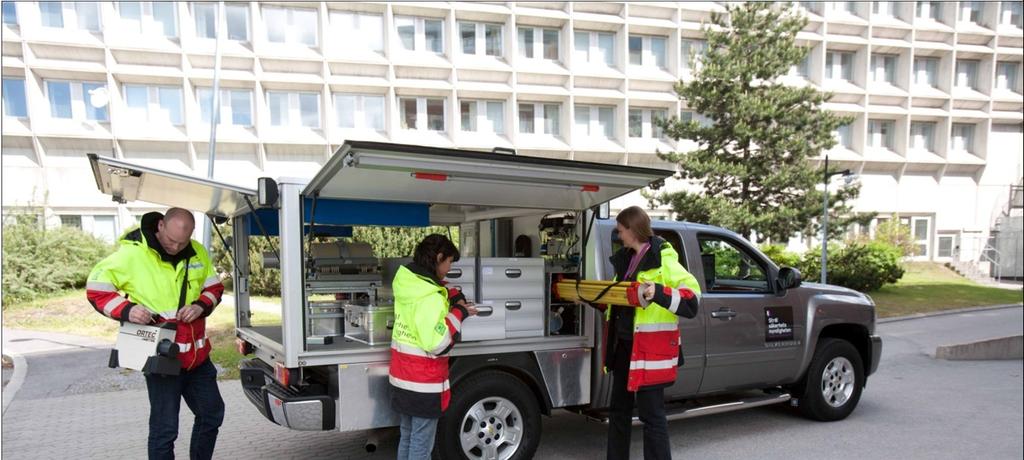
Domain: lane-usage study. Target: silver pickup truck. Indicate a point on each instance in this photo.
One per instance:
(761, 336)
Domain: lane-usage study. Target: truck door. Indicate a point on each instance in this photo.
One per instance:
(753, 334)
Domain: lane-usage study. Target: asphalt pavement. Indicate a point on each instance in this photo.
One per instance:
(70, 405)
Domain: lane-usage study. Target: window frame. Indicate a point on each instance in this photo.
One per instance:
(361, 119)
(294, 109)
(537, 49)
(480, 39)
(77, 100)
(7, 106)
(422, 115)
(594, 49)
(594, 121)
(886, 132)
(648, 59)
(226, 102)
(291, 25)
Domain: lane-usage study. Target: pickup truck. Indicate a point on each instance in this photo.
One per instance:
(761, 335)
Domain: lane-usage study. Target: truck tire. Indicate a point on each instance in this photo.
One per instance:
(492, 414)
(834, 381)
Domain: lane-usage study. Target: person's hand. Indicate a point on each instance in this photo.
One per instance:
(139, 314)
(648, 290)
(470, 308)
(189, 313)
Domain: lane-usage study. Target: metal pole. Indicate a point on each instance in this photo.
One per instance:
(824, 227)
(214, 113)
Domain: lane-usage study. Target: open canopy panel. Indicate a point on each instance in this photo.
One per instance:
(131, 182)
(377, 171)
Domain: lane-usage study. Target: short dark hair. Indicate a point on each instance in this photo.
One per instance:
(634, 218)
(426, 252)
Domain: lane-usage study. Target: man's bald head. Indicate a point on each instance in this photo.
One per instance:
(174, 232)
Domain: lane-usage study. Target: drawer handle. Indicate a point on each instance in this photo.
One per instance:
(484, 310)
(513, 305)
(455, 273)
(513, 272)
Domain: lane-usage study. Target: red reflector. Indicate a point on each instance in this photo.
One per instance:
(430, 176)
(243, 347)
(590, 188)
(282, 374)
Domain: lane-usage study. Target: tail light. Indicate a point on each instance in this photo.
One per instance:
(243, 347)
(283, 375)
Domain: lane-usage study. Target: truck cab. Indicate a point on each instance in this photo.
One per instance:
(761, 336)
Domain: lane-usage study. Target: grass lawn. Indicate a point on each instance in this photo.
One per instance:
(70, 313)
(930, 286)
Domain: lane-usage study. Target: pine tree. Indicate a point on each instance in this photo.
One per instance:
(751, 163)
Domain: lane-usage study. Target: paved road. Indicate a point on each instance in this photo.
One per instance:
(914, 407)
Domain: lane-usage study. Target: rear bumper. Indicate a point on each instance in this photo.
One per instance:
(285, 406)
(876, 353)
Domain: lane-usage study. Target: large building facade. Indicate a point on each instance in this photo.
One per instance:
(934, 88)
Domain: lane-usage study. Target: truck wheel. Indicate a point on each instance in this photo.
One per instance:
(831, 389)
(493, 415)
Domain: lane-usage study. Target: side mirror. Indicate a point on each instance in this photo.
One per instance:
(788, 278)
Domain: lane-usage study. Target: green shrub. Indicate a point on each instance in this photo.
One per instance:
(778, 254)
(38, 262)
(859, 266)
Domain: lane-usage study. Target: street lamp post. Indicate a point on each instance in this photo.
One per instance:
(824, 218)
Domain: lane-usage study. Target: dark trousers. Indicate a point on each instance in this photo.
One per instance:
(650, 402)
(198, 388)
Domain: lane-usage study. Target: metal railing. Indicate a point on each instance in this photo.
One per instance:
(994, 263)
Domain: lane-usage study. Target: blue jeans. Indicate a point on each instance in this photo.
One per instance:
(198, 388)
(417, 437)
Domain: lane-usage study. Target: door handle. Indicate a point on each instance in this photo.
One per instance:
(723, 313)
(513, 272)
(454, 273)
(484, 310)
(513, 306)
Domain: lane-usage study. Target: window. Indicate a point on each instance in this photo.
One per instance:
(595, 48)
(596, 121)
(844, 136)
(839, 65)
(422, 113)
(158, 18)
(812, 7)
(643, 122)
(480, 39)
(294, 109)
(803, 68)
(728, 268)
(688, 116)
(945, 246)
(540, 118)
(70, 100)
(420, 34)
(883, 8)
(1010, 14)
(922, 136)
(970, 12)
(880, 134)
(361, 31)
(235, 106)
(692, 51)
(963, 137)
(10, 13)
(925, 71)
(920, 230)
(159, 104)
(1006, 76)
(291, 25)
(358, 111)
(72, 221)
(845, 7)
(85, 15)
(883, 68)
(530, 38)
(14, 97)
(967, 73)
(929, 10)
(237, 17)
(647, 51)
(483, 116)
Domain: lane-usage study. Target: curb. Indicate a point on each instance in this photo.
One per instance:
(947, 312)
(17, 379)
(998, 348)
